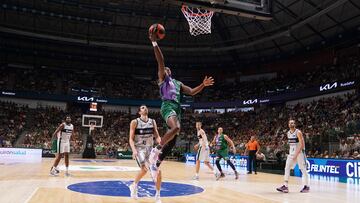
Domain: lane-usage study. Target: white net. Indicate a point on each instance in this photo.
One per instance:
(199, 20)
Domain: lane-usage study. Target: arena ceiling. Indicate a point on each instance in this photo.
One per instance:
(121, 26)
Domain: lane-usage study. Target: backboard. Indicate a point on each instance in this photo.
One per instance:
(97, 120)
(255, 9)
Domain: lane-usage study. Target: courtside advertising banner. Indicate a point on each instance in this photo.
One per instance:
(238, 161)
(23, 155)
(332, 167)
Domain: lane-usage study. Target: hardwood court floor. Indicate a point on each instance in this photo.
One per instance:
(32, 183)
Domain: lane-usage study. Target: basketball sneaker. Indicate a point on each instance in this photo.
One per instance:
(221, 175)
(157, 197)
(236, 175)
(53, 172)
(283, 189)
(306, 189)
(195, 177)
(133, 191)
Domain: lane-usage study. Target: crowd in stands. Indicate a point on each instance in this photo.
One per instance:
(334, 119)
(119, 86)
(12, 122)
(321, 74)
(327, 120)
(323, 121)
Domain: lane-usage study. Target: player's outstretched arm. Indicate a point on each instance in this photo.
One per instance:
(208, 81)
(212, 143)
(231, 143)
(61, 126)
(159, 57)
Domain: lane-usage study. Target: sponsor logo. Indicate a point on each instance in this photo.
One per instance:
(331, 169)
(242, 162)
(9, 152)
(347, 84)
(101, 100)
(328, 86)
(91, 99)
(85, 99)
(190, 157)
(9, 93)
(20, 155)
(249, 102)
(353, 169)
(265, 101)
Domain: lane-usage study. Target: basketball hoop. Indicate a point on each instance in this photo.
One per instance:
(199, 20)
(91, 128)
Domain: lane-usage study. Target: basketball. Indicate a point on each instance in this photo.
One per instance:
(158, 29)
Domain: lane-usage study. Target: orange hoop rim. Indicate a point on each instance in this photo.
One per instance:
(185, 7)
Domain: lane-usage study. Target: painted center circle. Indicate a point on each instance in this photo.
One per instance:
(145, 188)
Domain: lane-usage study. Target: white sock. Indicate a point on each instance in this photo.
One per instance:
(157, 193)
(67, 169)
(196, 174)
(286, 183)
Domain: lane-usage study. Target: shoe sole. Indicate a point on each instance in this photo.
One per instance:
(282, 191)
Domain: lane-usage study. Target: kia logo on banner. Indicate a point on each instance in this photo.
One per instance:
(328, 86)
(248, 102)
(85, 99)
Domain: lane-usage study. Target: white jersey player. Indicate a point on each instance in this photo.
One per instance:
(296, 155)
(63, 134)
(203, 151)
(142, 132)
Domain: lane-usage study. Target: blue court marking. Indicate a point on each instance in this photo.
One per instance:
(145, 188)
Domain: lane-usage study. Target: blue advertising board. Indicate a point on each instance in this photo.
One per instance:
(342, 168)
(240, 162)
(325, 88)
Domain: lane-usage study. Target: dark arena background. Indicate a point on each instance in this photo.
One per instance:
(280, 73)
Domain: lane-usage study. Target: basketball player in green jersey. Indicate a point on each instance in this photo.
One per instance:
(221, 142)
(170, 91)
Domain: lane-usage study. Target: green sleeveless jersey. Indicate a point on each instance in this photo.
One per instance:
(170, 90)
(221, 144)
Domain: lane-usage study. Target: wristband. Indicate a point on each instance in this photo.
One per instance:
(154, 44)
